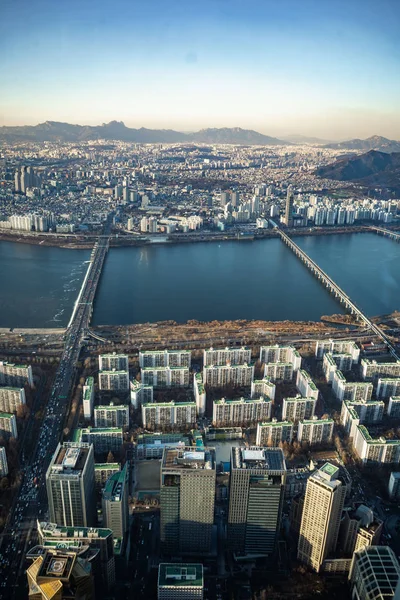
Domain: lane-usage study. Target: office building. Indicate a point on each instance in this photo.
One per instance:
(298, 408)
(115, 503)
(199, 394)
(11, 398)
(15, 375)
(220, 375)
(59, 574)
(223, 356)
(352, 391)
(280, 354)
(388, 387)
(375, 450)
(165, 358)
(374, 574)
(111, 415)
(370, 369)
(337, 347)
(76, 539)
(151, 445)
(242, 411)
(273, 433)
(140, 394)
(117, 381)
(180, 581)
(263, 387)
(169, 414)
(279, 371)
(3, 462)
(394, 486)
(256, 494)
(103, 472)
(160, 377)
(104, 439)
(322, 511)
(8, 425)
(187, 498)
(113, 362)
(88, 397)
(70, 485)
(394, 407)
(305, 385)
(315, 431)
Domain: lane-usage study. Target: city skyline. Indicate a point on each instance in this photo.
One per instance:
(277, 69)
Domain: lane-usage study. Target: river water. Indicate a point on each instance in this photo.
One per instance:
(205, 281)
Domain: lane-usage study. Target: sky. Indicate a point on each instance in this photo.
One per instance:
(326, 68)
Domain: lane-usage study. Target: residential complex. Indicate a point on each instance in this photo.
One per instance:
(387, 387)
(112, 415)
(280, 354)
(305, 385)
(237, 375)
(371, 369)
(223, 356)
(315, 431)
(242, 411)
(117, 381)
(273, 433)
(375, 450)
(113, 362)
(337, 347)
(357, 413)
(165, 358)
(354, 391)
(298, 408)
(167, 414)
(256, 494)
(11, 398)
(15, 375)
(279, 371)
(161, 377)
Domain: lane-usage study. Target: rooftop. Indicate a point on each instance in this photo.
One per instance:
(179, 575)
(114, 487)
(188, 458)
(257, 457)
(52, 530)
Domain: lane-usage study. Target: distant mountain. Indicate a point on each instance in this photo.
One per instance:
(296, 138)
(371, 168)
(115, 130)
(375, 142)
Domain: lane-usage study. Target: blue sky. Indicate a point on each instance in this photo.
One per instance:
(319, 67)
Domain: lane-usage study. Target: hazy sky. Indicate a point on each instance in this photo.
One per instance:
(329, 68)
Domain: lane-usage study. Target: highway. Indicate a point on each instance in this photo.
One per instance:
(32, 498)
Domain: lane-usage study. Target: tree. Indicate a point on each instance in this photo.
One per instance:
(110, 457)
(4, 484)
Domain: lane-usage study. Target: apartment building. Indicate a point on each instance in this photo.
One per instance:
(352, 391)
(375, 450)
(140, 393)
(88, 398)
(3, 462)
(199, 394)
(113, 362)
(315, 431)
(165, 358)
(337, 347)
(298, 408)
(15, 375)
(305, 385)
(8, 425)
(242, 411)
(169, 414)
(263, 387)
(371, 369)
(280, 354)
(161, 377)
(279, 371)
(111, 415)
(104, 439)
(11, 398)
(271, 434)
(117, 381)
(223, 356)
(387, 387)
(394, 407)
(220, 375)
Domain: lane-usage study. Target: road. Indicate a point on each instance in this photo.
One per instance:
(32, 498)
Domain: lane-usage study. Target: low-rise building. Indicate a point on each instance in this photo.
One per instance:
(315, 431)
(263, 387)
(298, 408)
(273, 433)
(220, 375)
(169, 414)
(375, 450)
(161, 377)
(8, 425)
(112, 415)
(241, 411)
(117, 381)
(11, 398)
(223, 356)
(140, 393)
(165, 358)
(305, 385)
(388, 387)
(180, 581)
(279, 371)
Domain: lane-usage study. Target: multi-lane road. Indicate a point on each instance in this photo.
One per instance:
(32, 499)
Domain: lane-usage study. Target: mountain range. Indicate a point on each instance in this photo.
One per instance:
(375, 142)
(116, 130)
(373, 168)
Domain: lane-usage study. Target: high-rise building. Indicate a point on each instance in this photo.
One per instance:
(3, 462)
(187, 500)
(315, 430)
(273, 433)
(199, 394)
(298, 408)
(241, 411)
(117, 381)
(288, 218)
(15, 375)
(140, 393)
(387, 387)
(103, 472)
(371, 369)
(221, 375)
(11, 398)
(279, 371)
(24, 178)
(165, 358)
(111, 415)
(167, 414)
(115, 503)
(256, 494)
(222, 356)
(263, 387)
(305, 385)
(374, 574)
(88, 398)
(280, 354)
(165, 376)
(322, 512)
(104, 439)
(8, 425)
(180, 581)
(70, 485)
(113, 362)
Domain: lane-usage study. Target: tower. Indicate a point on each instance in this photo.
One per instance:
(323, 505)
(289, 207)
(256, 495)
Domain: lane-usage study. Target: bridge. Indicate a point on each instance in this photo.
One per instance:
(393, 235)
(343, 298)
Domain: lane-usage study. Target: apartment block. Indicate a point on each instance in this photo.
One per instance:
(113, 362)
(375, 450)
(15, 375)
(298, 408)
(167, 414)
(88, 398)
(117, 381)
(353, 391)
(11, 398)
(271, 434)
(279, 371)
(394, 486)
(263, 387)
(387, 387)
(104, 439)
(338, 347)
(256, 495)
(8, 425)
(242, 411)
(111, 415)
(223, 356)
(371, 369)
(305, 385)
(165, 358)
(394, 407)
(280, 354)
(187, 497)
(199, 394)
(237, 375)
(3, 462)
(315, 431)
(140, 393)
(161, 377)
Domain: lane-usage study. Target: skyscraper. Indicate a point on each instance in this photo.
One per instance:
(323, 505)
(289, 207)
(185, 581)
(256, 497)
(187, 500)
(115, 503)
(70, 485)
